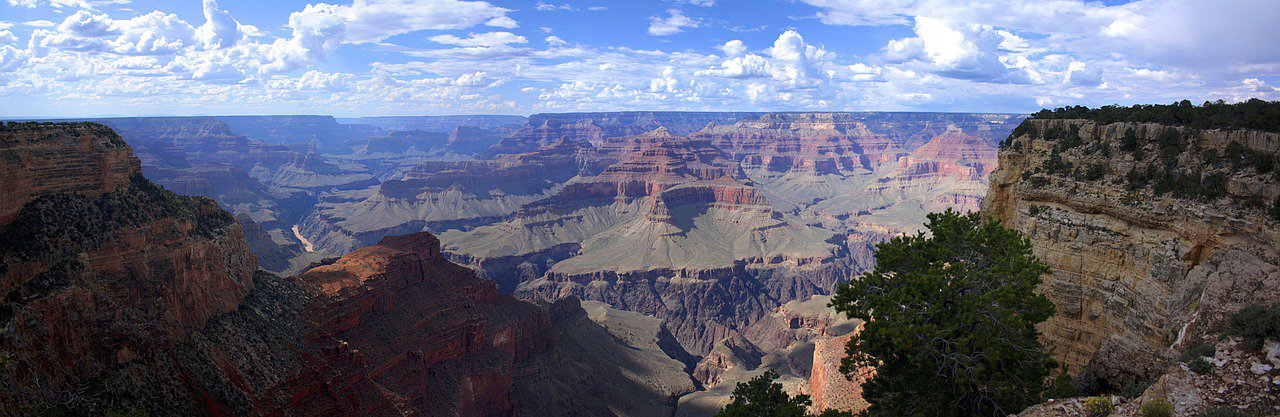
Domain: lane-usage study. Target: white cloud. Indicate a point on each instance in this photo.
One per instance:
(555, 41)
(674, 22)
(548, 7)
(482, 39)
(58, 4)
(376, 20)
(219, 30)
(733, 48)
(7, 37)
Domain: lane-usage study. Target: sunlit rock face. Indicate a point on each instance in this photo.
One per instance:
(1139, 275)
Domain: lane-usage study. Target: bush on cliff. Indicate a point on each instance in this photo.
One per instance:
(1255, 323)
(950, 321)
(761, 397)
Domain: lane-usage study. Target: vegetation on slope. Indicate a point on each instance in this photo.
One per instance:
(950, 321)
(57, 227)
(1167, 160)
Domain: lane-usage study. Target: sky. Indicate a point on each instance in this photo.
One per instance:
(83, 58)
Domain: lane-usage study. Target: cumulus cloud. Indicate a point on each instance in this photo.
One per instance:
(674, 22)
(219, 30)
(733, 48)
(376, 20)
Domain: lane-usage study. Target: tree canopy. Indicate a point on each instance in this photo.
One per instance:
(761, 397)
(1253, 114)
(950, 321)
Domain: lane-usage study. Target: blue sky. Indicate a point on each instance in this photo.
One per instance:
(77, 58)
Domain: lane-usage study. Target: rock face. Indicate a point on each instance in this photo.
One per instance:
(1154, 234)
(1238, 380)
(802, 341)
(99, 266)
(44, 159)
(122, 297)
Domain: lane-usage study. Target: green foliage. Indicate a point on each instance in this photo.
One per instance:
(1098, 406)
(1061, 387)
(950, 321)
(1024, 128)
(1134, 389)
(1275, 207)
(1218, 411)
(127, 413)
(1240, 156)
(1255, 324)
(762, 397)
(1194, 358)
(1157, 408)
(1171, 144)
(1253, 114)
(1200, 366)
(1129, 142)
(1095, 172)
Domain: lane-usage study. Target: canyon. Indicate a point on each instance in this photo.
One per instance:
(633, 263)
(122, 296)
(706, 226)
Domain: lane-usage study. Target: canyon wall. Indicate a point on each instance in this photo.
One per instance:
(1154, 233)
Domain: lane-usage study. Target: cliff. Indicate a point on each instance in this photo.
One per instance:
(120, 296)
(1154, 233)
(99, 266)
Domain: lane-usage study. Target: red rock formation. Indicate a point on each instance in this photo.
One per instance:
(954, 155)
(173, 262)
(42, 159)
(828, 387)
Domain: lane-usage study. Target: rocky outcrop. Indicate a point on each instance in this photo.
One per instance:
(42, 159)
(1239, 380)
(1154, 234)
(99, 266)
(802, 341)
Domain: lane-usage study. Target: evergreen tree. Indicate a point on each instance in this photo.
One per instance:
(950, 321)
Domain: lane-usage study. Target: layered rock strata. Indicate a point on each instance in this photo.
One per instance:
(1154, 234)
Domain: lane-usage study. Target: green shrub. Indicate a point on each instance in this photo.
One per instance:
(1255, 324)
(1134, 389)
(1061, 387)
(1253, 114)
(1275, 205)
(1221, 412)
(1197, 351)
(1157, 408)
(1200, 366)
(1098, 406)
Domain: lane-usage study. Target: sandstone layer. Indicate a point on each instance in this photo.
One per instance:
(1154, 233)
